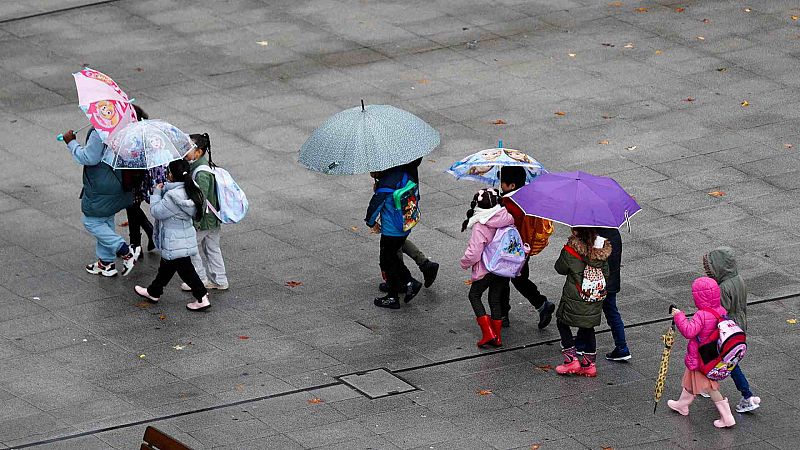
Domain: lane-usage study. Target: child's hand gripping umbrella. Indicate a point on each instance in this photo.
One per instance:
(668, 338)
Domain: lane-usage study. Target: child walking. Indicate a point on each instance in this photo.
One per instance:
(720, 264)
(583, 248)
(698, 330)
(207, 262)
(484, 217)
(174, 205)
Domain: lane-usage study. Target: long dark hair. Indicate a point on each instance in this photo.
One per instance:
(179, 169)
(484, 199)
(203, 142)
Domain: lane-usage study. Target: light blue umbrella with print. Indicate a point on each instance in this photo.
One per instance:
(483, 166)
(366, 139)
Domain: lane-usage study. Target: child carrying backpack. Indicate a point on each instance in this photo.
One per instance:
(701, 329)
(495, 253)
(584, 261)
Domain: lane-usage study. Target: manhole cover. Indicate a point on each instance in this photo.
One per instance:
(377, 383)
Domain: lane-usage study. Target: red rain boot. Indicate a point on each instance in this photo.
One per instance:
(486, 329)
(497, 326)
(571, 363)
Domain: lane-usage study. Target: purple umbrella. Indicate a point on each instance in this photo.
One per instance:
(577, 199)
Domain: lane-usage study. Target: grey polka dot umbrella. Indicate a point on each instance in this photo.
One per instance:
(367, 139)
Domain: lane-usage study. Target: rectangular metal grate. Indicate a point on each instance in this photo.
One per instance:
(377, 383)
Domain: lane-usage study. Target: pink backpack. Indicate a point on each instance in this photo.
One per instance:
(505, 255)
(723, 350)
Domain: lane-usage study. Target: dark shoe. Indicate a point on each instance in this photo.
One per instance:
(506, 322)
(619, 355)
(387, 302)
(412, 289)
(383, 287)
(429, 271)
(546, 314)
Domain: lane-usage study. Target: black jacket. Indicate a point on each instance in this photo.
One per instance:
(615, 260)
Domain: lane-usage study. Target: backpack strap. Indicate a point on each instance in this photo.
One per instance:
(574, 253)
(715, 335)
(205, 168)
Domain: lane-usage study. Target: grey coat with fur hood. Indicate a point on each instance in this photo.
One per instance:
(174, 233)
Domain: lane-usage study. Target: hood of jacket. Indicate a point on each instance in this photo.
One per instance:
(720, 264)
(590, 253)
(706, 293)
(177, 193)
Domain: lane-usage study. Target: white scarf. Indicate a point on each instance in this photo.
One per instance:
(482, 215)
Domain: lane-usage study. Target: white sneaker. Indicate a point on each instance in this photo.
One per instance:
(143, 293)
(185, 287)
(199, 306)
(98, 268)
(129, 260)
(704, 395)
(748, 404)
(210, 285)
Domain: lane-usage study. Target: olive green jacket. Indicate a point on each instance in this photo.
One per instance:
(572, 309)
(205, 181)
(721, 265)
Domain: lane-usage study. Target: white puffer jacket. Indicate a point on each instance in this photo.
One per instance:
(174, 233)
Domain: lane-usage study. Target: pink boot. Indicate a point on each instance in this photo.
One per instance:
(200, 305)
(682, 404)
(571, 363)
(587, 366)
(725, 416)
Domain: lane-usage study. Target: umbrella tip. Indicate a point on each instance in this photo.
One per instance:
(499, 143)
(362, 105)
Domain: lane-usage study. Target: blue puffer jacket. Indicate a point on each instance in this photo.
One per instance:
(382, 204)
(174, 232)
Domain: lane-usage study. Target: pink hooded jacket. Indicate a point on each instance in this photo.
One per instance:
(703, 324)
(482, 234)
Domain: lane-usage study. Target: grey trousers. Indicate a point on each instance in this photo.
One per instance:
(413, 252)
(210, 267)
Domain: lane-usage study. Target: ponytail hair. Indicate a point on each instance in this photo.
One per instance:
(179, 169)
(203, 142)
(484, 199)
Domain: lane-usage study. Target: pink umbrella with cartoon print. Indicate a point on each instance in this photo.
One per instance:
(102, 100)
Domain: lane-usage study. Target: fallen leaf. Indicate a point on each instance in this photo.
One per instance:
(745, 103)
(747, 10)
(263, 43)
(795, 17)
(142, 356)
(629, 45)
(431, 160)
(545, 368)
(615, 4)
(143, 305)
(791, 321)
(788, 145)
(178, 347)
(162, 317)
(606, 116)
(716, 194)
(484, 392)
(632, 147)
(244, 338)
(124, 224)
(606, 44)
(658, 52)
(499, 122)
(239, 387)
(607, 448)
(680, 9)
(603, 142)
(468, 282)
(640, 10)
(689, 99)
(722, 69)
(572, 55)
(315, 401)
(560, 113)
(353, 229)
(423, 81)
(139, 69)
(535, 447)
(706, 20)
(701, 38)
(293, 284)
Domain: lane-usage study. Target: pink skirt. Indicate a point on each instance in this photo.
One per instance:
(695, 382)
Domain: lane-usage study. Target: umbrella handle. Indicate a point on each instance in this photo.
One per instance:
(60, 137)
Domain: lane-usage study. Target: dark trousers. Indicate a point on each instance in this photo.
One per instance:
(614, 320)
(185, 269)
(137, 221)
(524, 286)
(585, 341)
(391, 261)
(741, 381)
(497, 286)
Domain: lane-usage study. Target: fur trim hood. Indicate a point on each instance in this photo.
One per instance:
(590, 253)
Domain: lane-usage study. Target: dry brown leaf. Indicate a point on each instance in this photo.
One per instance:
(560, 113)
(745, 103)
(239, 387)
(701, 38)
(640, 10)
(535, 447)
(615, 4)
(680, 9)
(139, 69)
(658, 52)
(293, 283)
(603, 142)
(143, 305)
(244, 338)
(607, 448)
(706, 20)
(716, 194)
(353, 229)
(689, 99)
(545, 368)
(795, 17)
(468, 282)
(499, 122)
(787, 146)
(629, 45)
(162, 317)
(423, 81)
(315, 401)
(484, 392)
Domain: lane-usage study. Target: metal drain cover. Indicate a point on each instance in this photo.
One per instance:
(377, 383)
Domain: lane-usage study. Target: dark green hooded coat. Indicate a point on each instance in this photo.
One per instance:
(721, 265)
(572, 309)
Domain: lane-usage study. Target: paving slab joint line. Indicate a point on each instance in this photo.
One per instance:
(56, 11)
(339, 382)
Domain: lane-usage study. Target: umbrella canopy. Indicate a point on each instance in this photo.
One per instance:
(481, 166)
(103, 101)
(668, 338)
(577, 199)
(367, 139)
(146, 144)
